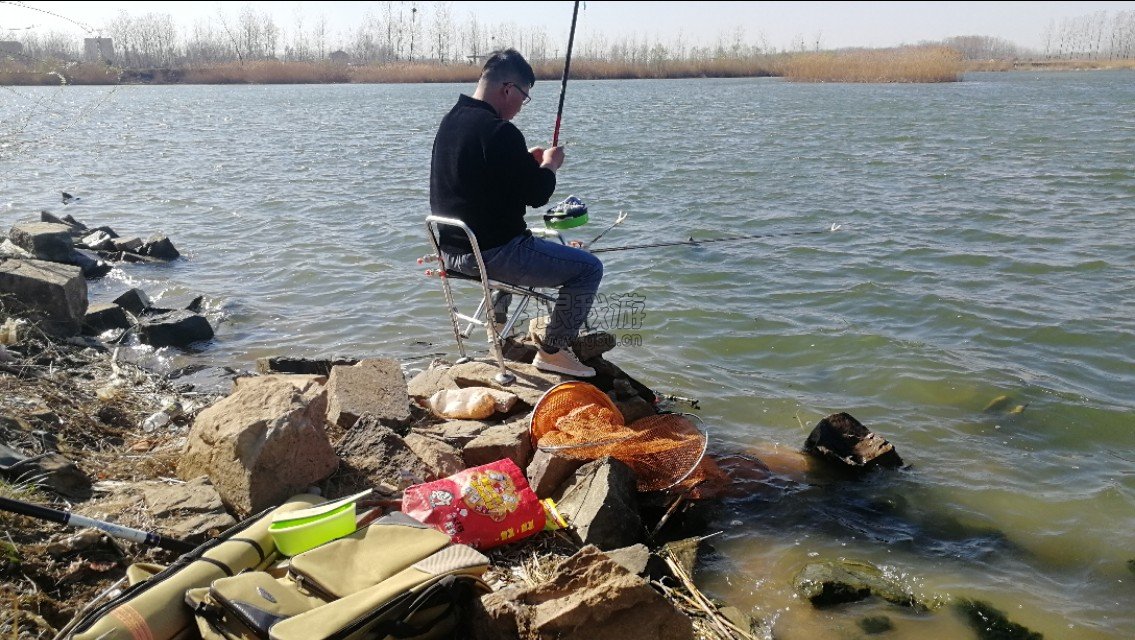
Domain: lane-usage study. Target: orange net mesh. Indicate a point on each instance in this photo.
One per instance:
(577, 420)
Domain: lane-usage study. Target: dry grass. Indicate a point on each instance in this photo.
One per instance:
(267, 72)
(47, 74)
(414, 72)
(904, 64)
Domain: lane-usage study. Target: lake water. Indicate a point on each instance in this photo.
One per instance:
(987, 249)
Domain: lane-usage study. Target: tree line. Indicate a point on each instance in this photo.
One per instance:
(432, 32)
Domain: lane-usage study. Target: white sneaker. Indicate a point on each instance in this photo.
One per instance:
(562, 361)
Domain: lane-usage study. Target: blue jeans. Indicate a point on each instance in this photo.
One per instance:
(534, 262)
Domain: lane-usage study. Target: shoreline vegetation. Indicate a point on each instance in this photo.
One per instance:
(912, 64)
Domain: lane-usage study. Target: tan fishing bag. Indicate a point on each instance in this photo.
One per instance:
(394, 578)
(153, 609)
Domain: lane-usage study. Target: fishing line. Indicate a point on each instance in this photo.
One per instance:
(694, 242)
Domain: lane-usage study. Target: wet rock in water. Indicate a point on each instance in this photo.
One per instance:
(306, 366)
(842, 439)
(105, 317)
(160, 247)
(991, 624)
(872, 625)
(593, 345)
(132, 244)
(177, 328)
(135, 301)
(98, 241)
(89, 262)
(827, 584)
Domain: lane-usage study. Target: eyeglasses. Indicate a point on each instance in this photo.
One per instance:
(527, 98)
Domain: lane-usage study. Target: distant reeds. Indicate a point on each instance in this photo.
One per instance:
(267, 72)
(903, 64)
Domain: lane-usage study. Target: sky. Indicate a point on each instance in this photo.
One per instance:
(779, 25)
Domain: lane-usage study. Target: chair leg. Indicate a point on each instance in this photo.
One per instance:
(453, 319)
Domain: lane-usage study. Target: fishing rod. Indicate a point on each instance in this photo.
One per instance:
(563, 81)
(75, 520)
(692, 241)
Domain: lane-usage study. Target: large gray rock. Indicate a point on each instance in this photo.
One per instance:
(548, 471)
(50, 294)
(442, 459)
(600, 504)
(507, 440)
(429, 382)
(372, 387)
(374, 454)
(588, 597)
(44, 240)
(262, 444)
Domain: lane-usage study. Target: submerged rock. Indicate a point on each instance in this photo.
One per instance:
(841, 438)
(991, 624)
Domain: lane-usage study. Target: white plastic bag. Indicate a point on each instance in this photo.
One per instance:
(470, 403)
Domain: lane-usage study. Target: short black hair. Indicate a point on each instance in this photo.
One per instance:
(508, 66)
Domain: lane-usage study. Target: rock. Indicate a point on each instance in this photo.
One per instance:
(684, 552)
(262, 444)
(89, 262)
(508, 440)
(634, 408)
(593, 345)
(81, 541)
(530, 384)
(827, 584)
(305, 366)
(99, 241)
(190, 510)
(600, 504)
(160, 247)
(991, 624)
(376, 454)
(44, 240)
(51, 294)
(457, 433)
(178, 328)
(132, 245)
(548, 471)
(53, 471)
(588, 597)
(607, 375)
(429, 382)
(372, 387)
(104, 317)
(442, 459)
(842, 439)
(135, 301)
(633, 558)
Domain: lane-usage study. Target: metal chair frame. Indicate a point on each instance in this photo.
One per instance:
(482, 317)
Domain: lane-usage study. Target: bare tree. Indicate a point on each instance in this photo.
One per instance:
(442, 31)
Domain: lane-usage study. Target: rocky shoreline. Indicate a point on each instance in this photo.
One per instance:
(86, 432)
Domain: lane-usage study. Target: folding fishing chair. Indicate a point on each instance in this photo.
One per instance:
(483, 316)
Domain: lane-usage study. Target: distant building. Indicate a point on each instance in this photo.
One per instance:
(339, 57)
(11, 48)
(98, 50)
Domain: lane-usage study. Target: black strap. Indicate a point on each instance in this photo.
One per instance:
(218, 564)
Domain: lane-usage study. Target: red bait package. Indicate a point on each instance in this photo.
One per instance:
(482, 507)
